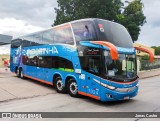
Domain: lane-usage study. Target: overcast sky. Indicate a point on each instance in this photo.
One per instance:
(18, 17)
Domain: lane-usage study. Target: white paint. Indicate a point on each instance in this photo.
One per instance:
(42, 51)
(78, 71)
(82, 76)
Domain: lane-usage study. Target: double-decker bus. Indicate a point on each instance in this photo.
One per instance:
(90, 57)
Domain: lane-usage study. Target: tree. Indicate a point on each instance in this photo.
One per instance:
(157, 50)
(131, 16)
(69, 10)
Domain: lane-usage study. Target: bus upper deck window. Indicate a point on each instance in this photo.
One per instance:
(84, 31)
(63, 34)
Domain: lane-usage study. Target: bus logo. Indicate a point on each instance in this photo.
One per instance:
(42, 51)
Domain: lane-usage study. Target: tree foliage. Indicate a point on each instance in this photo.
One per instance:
(157, 50)
(131, 16)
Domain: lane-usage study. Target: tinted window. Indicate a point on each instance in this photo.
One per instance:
(37, 38)
(62, 63)
(63, 35)
(16, 43)
(25, 60)
(45, 61)
(32, 40)
(84, 31)
(27, 43)
(114, 33)
(48, 36)
(91, 64)
(48, 62)
(30, 60)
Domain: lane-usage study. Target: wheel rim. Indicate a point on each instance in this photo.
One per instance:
(59, 85)
(73, 88)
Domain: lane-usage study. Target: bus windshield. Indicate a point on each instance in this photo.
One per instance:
(122, 69)
(114, 33)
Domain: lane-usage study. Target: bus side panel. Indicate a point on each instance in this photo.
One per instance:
(93, 83)
(77, 70)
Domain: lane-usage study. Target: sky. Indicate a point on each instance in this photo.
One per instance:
(19, 17)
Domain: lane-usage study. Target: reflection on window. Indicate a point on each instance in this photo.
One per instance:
(48, 62)
(84, 31)
(90, 64)
(30, 60)
(48, 36)
(16, 43)
(45, 61)
(114, 33)
(123, 67)
(63, 35)
(32, 40)
(116, 67)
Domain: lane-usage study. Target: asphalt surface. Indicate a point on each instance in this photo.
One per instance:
(147, 100)
(30, 96)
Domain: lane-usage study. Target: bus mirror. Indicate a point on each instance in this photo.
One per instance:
(147, 51)
(113, 49)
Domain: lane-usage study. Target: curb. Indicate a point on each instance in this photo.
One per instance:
(149, 73)
(149, 76)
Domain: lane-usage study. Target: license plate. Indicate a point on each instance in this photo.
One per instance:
(126, 98)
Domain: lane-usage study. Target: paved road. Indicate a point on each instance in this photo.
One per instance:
(148, 99)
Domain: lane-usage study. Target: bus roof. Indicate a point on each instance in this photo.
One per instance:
(86, 19)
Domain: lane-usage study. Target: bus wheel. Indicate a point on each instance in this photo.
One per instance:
(59, 86)
(21, 74)
(17, 72)
(73, 88)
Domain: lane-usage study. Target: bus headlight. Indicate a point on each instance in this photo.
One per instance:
(107, 86)
(104, 85)
(111, 87)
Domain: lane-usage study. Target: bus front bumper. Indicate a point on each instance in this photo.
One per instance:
(118, 94)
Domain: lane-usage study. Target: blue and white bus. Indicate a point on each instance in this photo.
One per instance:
(90, 57)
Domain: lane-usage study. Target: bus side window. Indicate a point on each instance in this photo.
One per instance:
(48, 36)
(26, 43)
(91, 64)
(16, 43)
(94, 65)
(84, 31)
(25, 60)
(45, 61)
(62, 63)
(63, 35)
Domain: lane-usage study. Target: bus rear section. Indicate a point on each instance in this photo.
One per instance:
(15, 55)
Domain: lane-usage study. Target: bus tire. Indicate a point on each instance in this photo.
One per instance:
(21, 75)
(60, 88)
(17, 72)
(72, 88)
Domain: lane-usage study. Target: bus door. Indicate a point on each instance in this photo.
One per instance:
(93, 82)
(80, 74)
(90, 83)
